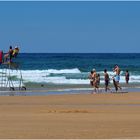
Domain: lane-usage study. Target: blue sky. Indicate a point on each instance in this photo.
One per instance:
(55, 27)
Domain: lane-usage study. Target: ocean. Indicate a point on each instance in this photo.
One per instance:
(72, 69)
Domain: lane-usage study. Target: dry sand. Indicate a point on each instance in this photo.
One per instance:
(70, 116)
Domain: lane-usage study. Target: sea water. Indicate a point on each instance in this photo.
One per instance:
(64, 70)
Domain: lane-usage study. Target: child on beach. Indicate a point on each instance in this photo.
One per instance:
(127, 76)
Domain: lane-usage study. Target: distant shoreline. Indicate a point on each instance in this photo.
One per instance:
(61, 91)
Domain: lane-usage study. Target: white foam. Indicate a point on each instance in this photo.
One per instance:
(44, 76)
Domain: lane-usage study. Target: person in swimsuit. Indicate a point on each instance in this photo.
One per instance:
(94, 77)
(127, 76)
(15, 52)
(8, 55)
(91, 78)
(117, 71)
(107, 79)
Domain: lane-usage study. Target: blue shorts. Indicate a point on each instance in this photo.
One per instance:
(117, 78)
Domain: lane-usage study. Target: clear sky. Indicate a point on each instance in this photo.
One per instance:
(55, 27)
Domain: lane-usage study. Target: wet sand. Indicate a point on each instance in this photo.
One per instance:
(70, 116)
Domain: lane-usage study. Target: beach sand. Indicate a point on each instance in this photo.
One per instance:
(70, 116)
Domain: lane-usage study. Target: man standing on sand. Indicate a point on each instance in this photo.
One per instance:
(95, 81)
(107, 79)
(91, 78)
(117, 76)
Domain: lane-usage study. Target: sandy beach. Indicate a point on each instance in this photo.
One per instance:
(70, 116)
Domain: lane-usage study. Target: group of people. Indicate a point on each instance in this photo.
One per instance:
(95, 79)
(12, 53)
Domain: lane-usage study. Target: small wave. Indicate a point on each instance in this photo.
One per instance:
(63, 80)
(75, 70)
